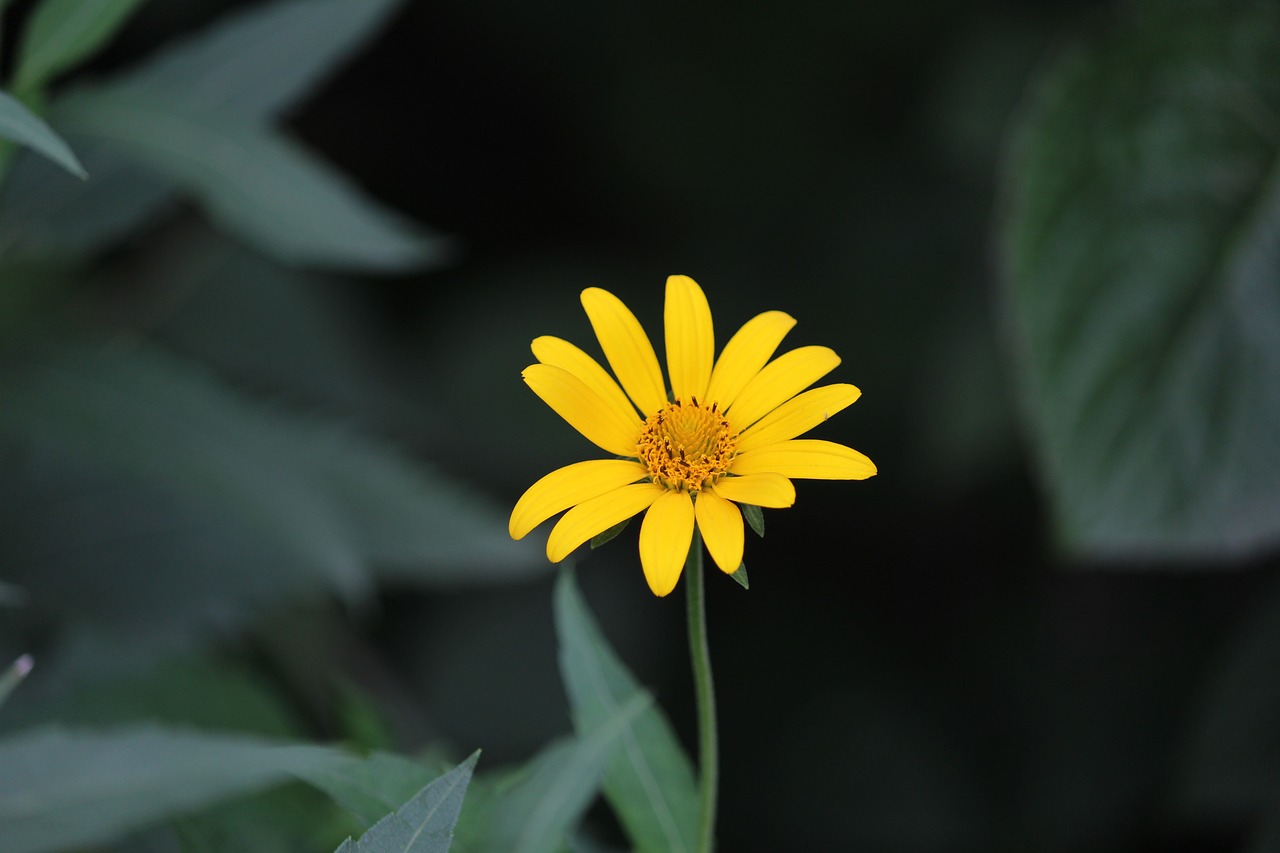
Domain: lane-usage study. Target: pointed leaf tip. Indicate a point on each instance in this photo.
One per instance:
(26, 128)
(425, 823)
(754, 516)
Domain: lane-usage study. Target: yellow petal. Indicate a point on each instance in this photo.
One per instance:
(691, 345)
(809, 459)
(573, 400)
(779, 381)
(627, 349)
(665, 537)
(747, 351)
(797, 415)
(570, 486)
(598, 515)
(769, 489)
(721, 526)
(561, 353)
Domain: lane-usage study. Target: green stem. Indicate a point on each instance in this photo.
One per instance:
(708, 746)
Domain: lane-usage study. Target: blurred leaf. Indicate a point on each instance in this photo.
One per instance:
(755, 518)
(286, 818)
(25, 127)
(260, 61)
(741, 576)
(196, 692)
(649, 780)
(62, 788)
(35, 297)
(371, 787)
(1143, 246)
(270, 328)
(359, 719)
(534, 809)
(154, 498)
(252, 181)
(425, 823)
(60, 33)
(42, 212)
(12, 677)
(12, 595)
(255, 63)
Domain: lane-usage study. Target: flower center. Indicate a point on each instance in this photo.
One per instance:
(686, 446)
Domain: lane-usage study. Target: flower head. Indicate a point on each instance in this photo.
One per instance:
(725, 435)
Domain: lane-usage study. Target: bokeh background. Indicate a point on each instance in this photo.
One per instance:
(931, 660)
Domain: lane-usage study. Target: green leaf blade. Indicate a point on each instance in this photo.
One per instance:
(263, 60)
(649, 781)
(534, 809)
(255, 183)
(254, 65)
(64, 788)
(425, 823)
(1141, 254)
(44, 215)
(26, 128)
(371, 787)
(62, 32)
(178, 485)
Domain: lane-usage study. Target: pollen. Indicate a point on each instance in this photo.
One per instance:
(686, 446)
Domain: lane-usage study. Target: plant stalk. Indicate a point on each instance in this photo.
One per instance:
(705, 694)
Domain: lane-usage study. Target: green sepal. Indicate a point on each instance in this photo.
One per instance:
(755, 518)
(741, 574)
(601, 538)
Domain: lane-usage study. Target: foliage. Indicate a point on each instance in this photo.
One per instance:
(202, 507)
(423, 824)
(1141, 250)
(261, 421)
(649, 780)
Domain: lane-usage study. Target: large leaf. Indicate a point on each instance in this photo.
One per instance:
(43, 213)
(145, 499)
(278, 330)
(262, 60)
(254, 182)
(62, 32)
(371, 787)
(25, 127)
(193, 692)
(62, 788)
(425, 823)
(1143, 249)
(649, 781)
(254, 65)
(534, 810)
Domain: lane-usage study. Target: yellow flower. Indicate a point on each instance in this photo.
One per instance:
(726, 434)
